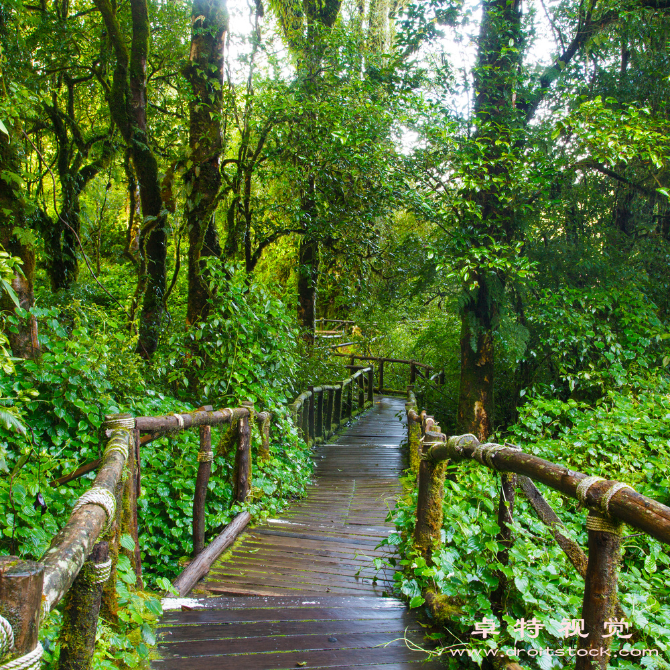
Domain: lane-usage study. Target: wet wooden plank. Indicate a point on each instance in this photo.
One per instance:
(342, 658)
(332, 628)
(283, 643)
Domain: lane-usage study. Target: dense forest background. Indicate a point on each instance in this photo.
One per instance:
(483, 187)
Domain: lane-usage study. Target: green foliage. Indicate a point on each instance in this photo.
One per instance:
(245, 350)
(543, 584)
(596, 339)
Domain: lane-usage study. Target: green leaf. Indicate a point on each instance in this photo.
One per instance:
(127, 542)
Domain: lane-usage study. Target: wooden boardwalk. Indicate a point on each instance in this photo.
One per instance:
(301, 590)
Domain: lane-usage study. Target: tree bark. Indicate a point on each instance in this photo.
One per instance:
(127, 101)
(496, 119)
(308, 276)
(476, 400)
(204, 73)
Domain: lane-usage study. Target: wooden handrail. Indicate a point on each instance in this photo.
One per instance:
(321, 410)
(383, 358)
(75, 541)
(610, 503)
(627, 505)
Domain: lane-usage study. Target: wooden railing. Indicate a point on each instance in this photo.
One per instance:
(333, 328)
(610, 504)
(415, 371)
(80, 567)
(321, 410)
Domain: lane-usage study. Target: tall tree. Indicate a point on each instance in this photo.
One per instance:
(15, 235)
(204, 72)
(127, 99)
(507, 100)
(307, 29)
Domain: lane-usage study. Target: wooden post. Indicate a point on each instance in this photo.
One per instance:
(129, 522)
(371, 384)
(350, 400)
(361, 392)
(243, 459)
(263, 422)
(414, 440)
(318, 428)
(441, 378)
(328, 417)
(205, 458)
(429, 501)
(353, 360)
(381, 376)
(600, 591)
(504, 538)
(305, 419)
(109, 606)
(80, 614)
(21, 602)
(412, 372)
(311, 423)
(337, 412)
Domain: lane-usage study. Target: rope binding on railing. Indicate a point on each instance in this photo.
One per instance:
(595, 521)
(30, 661)
(100, 572)
(610, 493)
(584, 486)
(122, 422)
(6, 636)
(117, 443)
(180, 419)
(205, 456)
(102, 497)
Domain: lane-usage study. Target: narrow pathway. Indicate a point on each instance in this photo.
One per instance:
(301, 590)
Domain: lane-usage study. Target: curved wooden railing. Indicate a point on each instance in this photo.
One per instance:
(610, 504)
(415, 371)
(81, 568)
(321, 410)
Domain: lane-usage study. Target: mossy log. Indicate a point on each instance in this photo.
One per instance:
(263, 420)
(548, 517)
(600, 596)
(626, 505)
(429, 500)
(242, 471)
(414, 440)
(505, 539)
(129, 496)
(201, 482)
(204, 560)
(151, 424)
(71, 546)
(109, 607)
(80, 614)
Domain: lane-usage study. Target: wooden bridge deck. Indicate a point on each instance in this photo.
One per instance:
(301, 590)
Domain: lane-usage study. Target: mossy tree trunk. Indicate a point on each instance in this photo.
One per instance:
(203, 179)
(476, 400)
(15, 239)
(63, 235)
(80, 614)
(308, 278)
(499, 52)
(127, 99)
